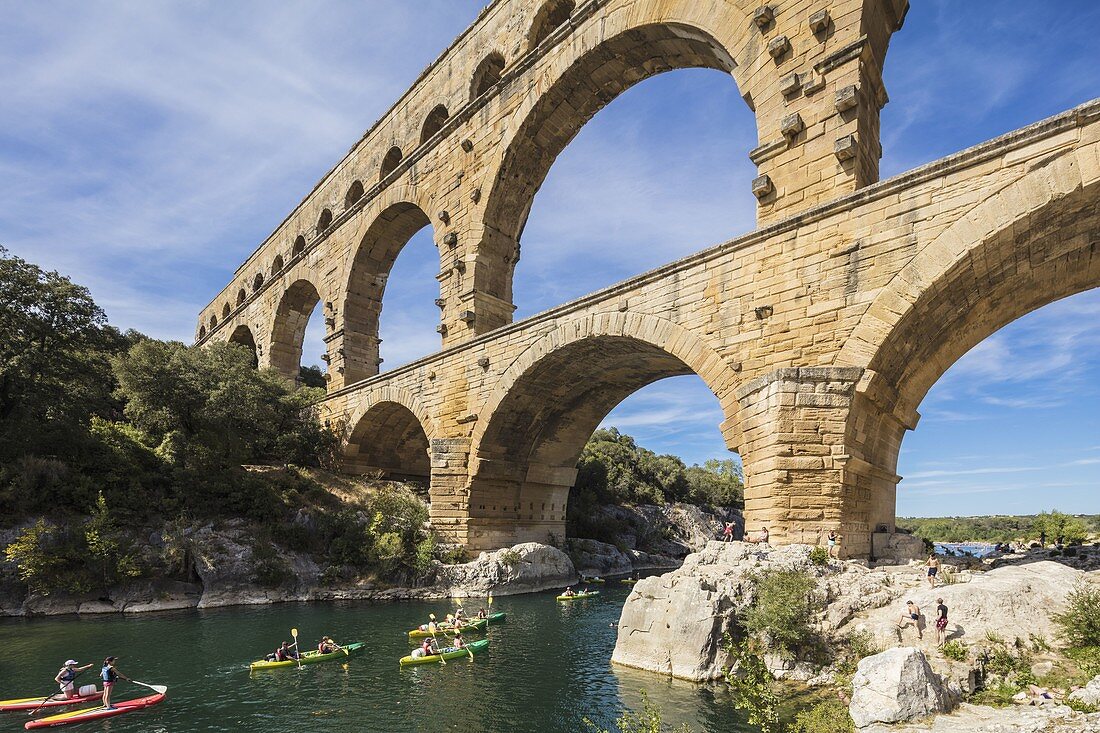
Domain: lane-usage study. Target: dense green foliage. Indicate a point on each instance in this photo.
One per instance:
(753, 687)
(1080, 622)
(830, 716)
(1055, 524)
(647, 721)
(782, 612)
(102, 434)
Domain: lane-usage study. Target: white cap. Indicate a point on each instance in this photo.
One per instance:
(71, 662)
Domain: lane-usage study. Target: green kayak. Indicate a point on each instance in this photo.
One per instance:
(471, 649)
(314, 657)
(579, 596)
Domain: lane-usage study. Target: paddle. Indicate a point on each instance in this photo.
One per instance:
(294, 633)
(159, 689)
(432, 627)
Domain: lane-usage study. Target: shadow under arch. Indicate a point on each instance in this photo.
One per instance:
(550, 401)
(378, 249)
(591, 83)
(959, 290)
(242, 336)
(288, 329)
(389, 436)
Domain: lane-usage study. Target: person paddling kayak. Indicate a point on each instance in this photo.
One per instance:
(328, 646)
(67, 675)
(284, 653)
(110, 675)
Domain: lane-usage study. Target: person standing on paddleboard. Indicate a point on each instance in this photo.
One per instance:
(110, 675)
(67, 675)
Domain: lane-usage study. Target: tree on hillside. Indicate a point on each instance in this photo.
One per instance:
(55, 347)
(1059, 526)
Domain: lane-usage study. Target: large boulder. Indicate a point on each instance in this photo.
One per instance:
(675, 623)
(525, 568)
(894, 686)
(1089, 694)
(982, 719)
(592, 557)
(1010, 602)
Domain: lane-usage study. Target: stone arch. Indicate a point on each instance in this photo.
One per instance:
(1034, 242)
(242, 335)
(299, 246)
(202, 332)
(257, 281)
(288, 329)
(390, 162)
(603, 72)
(355, 192)
(277, 265)
(433, 123)
(550, 16)
(213, 321)
(547, 404)
(226, 310)
(487, 74)
(242, 296)
(324, 220)
(390, 433)
(379, 245)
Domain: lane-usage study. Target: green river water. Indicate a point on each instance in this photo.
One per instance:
(547, 668)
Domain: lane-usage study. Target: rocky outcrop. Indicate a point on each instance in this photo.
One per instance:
(896, 548)
(1009, 602)
(895, 686)
(1089, 694)
(525, 568)
(982, 719)
(669, 530)
(591, 557)
(675, 623)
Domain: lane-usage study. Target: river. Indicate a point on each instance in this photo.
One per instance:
(547, 668)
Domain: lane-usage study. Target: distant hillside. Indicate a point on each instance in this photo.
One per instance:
(1004, 528)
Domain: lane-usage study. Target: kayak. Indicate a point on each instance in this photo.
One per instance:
(97, 713)
(450, 653)
(313, 657)
(579, 596)
(33, 703)
(597, 579)
(629, 581)
(477, 625)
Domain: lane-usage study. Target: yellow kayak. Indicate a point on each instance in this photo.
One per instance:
(478, 625)
(471, 649)
(313, 657)
(579, 596)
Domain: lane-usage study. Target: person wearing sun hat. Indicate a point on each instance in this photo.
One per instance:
(65, 678)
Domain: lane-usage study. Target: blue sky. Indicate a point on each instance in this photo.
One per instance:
(147, 148)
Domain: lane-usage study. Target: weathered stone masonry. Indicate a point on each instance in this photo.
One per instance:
(819, 333)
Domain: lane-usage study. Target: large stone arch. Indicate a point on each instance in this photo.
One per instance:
(378, 242)
(1035, 241)
(548, 402)
(288, 326)
(629, 48)
(390, 434)
(242, 336)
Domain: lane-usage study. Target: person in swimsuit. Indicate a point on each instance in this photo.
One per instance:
(941, 623)
(911, 617)
(727, 532)
(66, 677)
(109, 674)
(933, 570)
(458, 642)
(833, 542)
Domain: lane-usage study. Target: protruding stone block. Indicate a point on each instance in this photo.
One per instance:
(790, 84)
(467, 145)
(450, 239)
(819, 21)
(763, 17)
(847, 98)
(778, 46)
(762, 186)
(845, 147)
(792, 125)
(444, 216)
(467, 317)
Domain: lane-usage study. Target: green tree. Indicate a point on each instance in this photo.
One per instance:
(55, 347)
(1080, 622)
(783, 610)
(1059, 526)
(753, 687)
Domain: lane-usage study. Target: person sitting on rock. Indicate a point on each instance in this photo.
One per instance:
(760, 539)
(910, 617)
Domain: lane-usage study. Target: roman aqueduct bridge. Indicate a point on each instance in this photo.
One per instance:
(819, 333)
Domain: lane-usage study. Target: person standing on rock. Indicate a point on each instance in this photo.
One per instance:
(833, 542)
(933, 569)
(727, 532)
(941, 623)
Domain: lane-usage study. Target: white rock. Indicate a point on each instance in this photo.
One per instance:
(1089, 694)
(894, 686)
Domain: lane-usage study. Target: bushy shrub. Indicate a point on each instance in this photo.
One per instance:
(830, 716)
(1087, 658)
(783, 609)
(819, 556)
(753, 687)
(647, 721)
(956, 650)
(50, 559)
(1080, 622)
